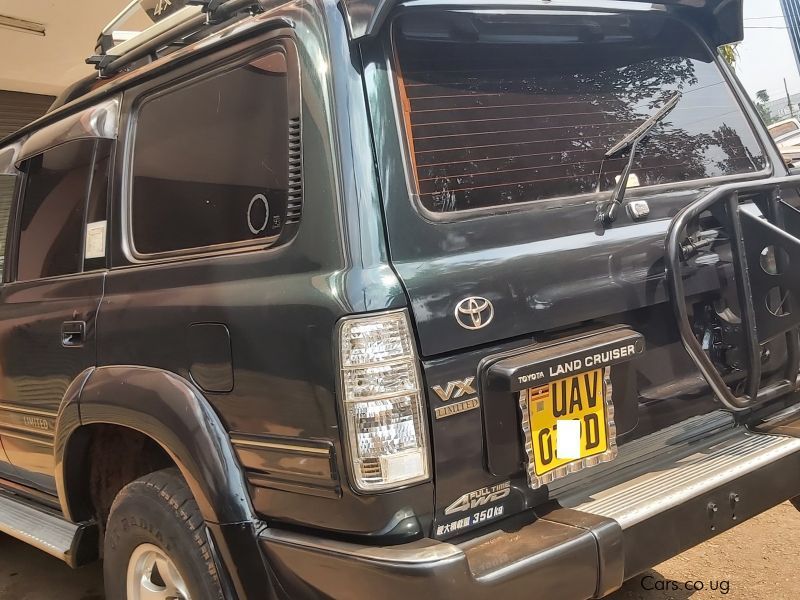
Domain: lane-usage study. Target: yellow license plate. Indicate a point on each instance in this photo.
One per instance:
(589, 439)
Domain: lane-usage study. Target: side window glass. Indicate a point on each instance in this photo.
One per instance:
(210, 161)
(53, 208)
(7, 183)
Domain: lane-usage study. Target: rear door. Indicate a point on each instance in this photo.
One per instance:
(48, 309)
(507, 141)
(504, 122)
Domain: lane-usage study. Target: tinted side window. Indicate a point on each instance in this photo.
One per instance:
(7, 183)
(210, 163)
(51, 220)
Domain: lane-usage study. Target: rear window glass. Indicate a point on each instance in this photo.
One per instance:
(211, 162)
(501, 110)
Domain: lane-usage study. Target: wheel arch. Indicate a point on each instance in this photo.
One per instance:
(169, 410)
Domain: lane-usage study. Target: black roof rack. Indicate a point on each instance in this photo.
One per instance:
(115, 51)
(721, 20)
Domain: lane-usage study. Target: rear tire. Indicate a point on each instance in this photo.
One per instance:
(154, 526)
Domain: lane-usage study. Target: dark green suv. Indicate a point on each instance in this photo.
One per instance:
(411, 299)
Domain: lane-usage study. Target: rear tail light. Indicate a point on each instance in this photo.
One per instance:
(382, 402)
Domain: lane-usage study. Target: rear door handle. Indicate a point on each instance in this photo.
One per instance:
(73, 334)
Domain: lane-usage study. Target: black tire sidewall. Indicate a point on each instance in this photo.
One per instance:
(141, 515)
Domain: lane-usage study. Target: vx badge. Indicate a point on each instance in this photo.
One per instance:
(474, 312)
(459, 387)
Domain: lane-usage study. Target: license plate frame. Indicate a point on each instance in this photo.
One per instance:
(538, 477)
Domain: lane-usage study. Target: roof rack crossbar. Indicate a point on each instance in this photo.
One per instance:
(121, 17)
(187, 20)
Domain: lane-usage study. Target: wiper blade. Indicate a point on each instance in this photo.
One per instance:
(631, 141)
(640, 132)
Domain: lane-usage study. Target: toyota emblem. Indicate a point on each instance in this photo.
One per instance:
(474, 312)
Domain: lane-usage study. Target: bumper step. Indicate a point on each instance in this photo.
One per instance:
(685, 484)
(664, 493)
(645, 496)
(644, 455)
(665, 470)
(48, 532)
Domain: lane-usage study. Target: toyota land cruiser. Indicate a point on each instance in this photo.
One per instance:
(403, 298)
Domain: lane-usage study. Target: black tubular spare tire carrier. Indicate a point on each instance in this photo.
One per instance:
(749, 234)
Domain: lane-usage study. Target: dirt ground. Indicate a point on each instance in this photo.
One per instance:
(28, 574)
(754, 561)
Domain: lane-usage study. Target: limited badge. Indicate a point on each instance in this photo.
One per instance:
(456, 408)
(453, 391)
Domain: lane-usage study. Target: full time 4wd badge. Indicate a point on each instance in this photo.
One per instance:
(475, 508)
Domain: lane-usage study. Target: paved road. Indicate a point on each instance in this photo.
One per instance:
(755, 561)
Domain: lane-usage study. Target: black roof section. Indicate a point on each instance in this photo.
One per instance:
(721, 20)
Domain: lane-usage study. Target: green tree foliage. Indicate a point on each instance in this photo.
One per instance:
(762, 99)
(730, 53)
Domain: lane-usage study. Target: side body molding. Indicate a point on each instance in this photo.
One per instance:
(171, 411)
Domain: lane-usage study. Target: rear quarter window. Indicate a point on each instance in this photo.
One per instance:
(210, 161)
(498, 111)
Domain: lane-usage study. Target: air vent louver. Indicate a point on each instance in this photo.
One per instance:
(294, 206)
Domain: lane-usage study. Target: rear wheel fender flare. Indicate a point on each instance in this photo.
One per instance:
(172, 412)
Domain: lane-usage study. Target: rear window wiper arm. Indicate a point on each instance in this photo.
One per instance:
(608, 213)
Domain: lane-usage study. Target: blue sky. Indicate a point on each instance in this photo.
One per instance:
(765, 56)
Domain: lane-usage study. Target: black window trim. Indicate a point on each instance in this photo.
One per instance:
(391, 61)
(10, 250)
(108, 195)
(204, 70)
